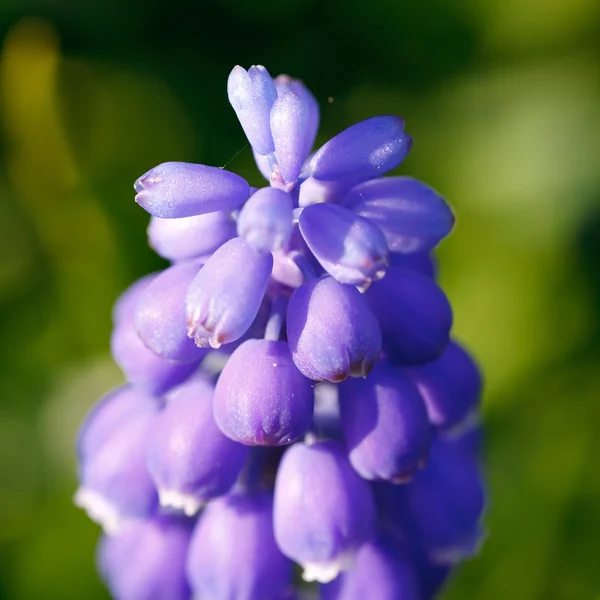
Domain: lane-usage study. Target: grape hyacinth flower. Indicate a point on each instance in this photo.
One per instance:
(293, 390)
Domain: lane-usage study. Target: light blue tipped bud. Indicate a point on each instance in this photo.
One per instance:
(160, 317)
(412, 216)
(332, 331)
(177, 189)
(381, 571)
(252, 94)
(289, 123)
(349, 247)
(190, 460)
(385, 425)
(146, 561)
(115, 484)
(285, 84)
(190, 237)
(415, 315)
(223, 300)
(365, 150)
(265, 221)
(324, 512)
(233, 553)
(261, 399)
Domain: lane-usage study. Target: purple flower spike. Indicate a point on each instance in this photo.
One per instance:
(261, 399)
(381, 571)
(324, 512)
(160, 318)
(349, 247)
(190, 237)
(365, 150)
(252, 94)
(177, 189)
(412, 216)
(450, 386)
(415, 314)
(332, 331)
(285, 84)
(385, 425)
(233, 554)
(146, 561)
(265, 222)
(419, 261)
(224, 298)
(289, 123)
(189, 458)
(115, 484)
(125, 304)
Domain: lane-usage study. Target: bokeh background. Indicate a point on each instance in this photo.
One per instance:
(503, 101)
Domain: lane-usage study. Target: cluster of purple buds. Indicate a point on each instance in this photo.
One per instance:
(293, 393)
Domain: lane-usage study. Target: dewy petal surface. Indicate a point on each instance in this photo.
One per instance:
(332, 331)
(365, 150)
(412, 216)
(349, 247)
(175, 189)
(224, 299)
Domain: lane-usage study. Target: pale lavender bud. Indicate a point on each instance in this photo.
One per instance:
(224, 299)
(176, 189)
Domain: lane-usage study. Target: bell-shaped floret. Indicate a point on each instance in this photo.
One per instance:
(265, 221)
(125, 304)
(348, 246)
(160, 317)
(177, 189)
(382, 571)
(450, 386)
(365, 150)
(324, 512)
(261, 398)
(252, 93)
(421, 262)
(115, 485)
(332, 331)
(190, 460)
(146, 561)
(385, 425)
(412, 216)
(190, 237)
(224, 299)
(414, 313)
(289, 126)
(233, 553)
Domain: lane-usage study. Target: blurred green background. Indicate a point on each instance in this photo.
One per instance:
(503, 102)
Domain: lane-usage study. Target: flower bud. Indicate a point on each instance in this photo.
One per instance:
(289, 123)
(233, 553)
(224, 298)
(160, 318)
(190, 460)
(324, 512)
(265, 221)
(450, 386)
(146, 561)
(419, 261)
(381, 571)
(176, 189)
(365, 150)
(385, 425)
(415, 314)
(332, 331)
(261, 398)
(190, 237)
(412, 216)
(349, 247)
(252, 93)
